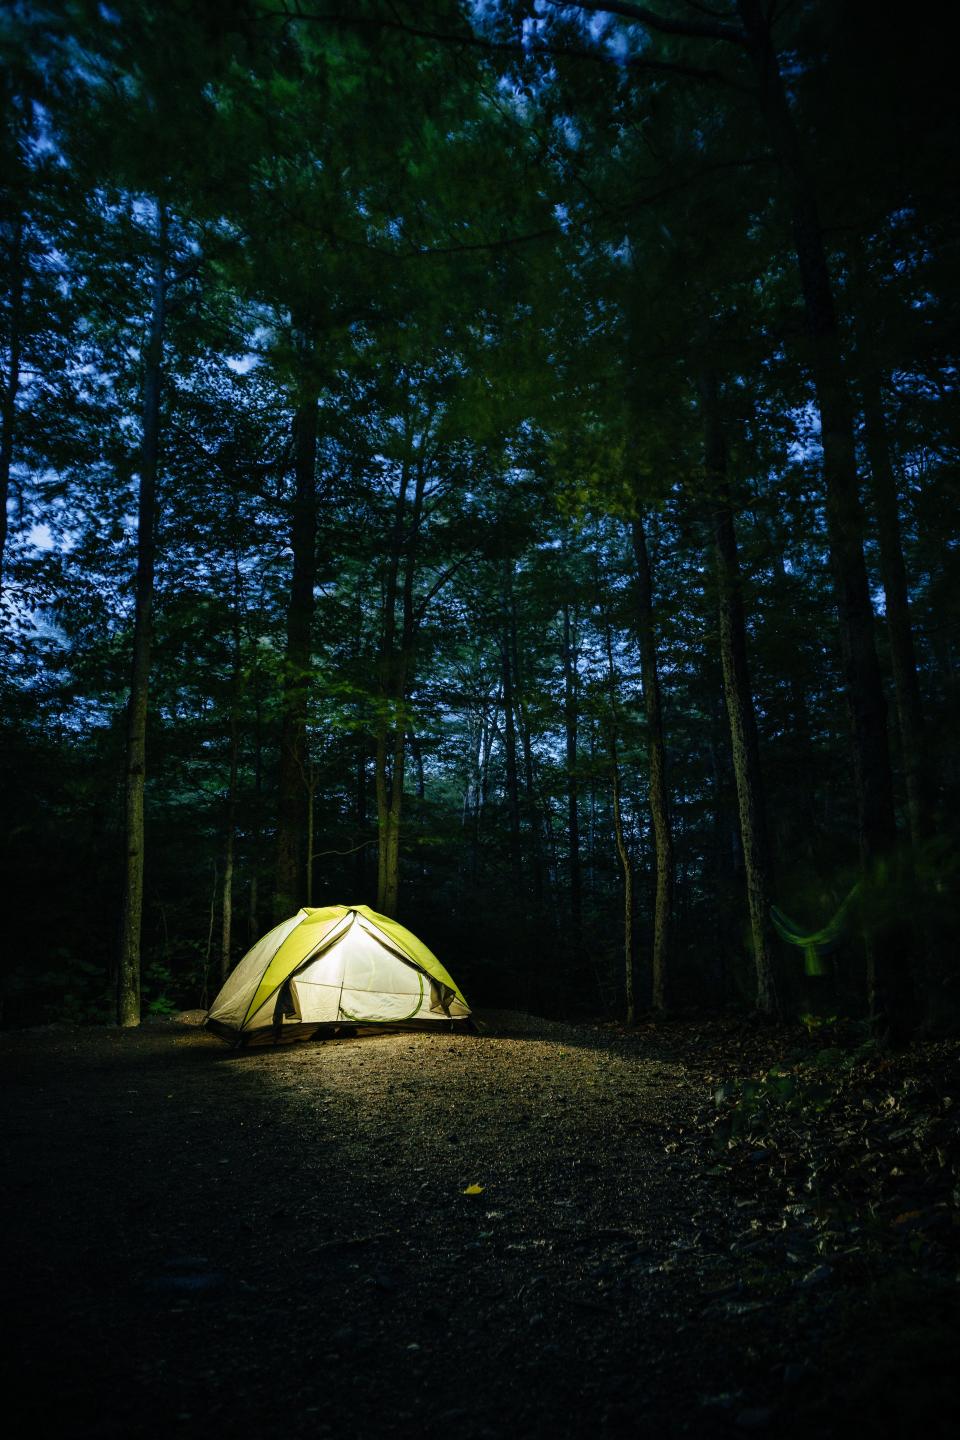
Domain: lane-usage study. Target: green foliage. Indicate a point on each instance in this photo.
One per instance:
(501, 273)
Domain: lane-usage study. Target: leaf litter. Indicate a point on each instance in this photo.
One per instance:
(693, 1223)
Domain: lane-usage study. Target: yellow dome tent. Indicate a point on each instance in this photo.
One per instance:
(331, 968)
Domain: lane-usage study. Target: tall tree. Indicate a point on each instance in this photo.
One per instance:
(657, 766)
(753, 38)
(738, 694)
(131, 914)
(292, 783)
(570, 736)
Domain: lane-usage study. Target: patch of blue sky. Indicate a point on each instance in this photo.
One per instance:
(243, 364)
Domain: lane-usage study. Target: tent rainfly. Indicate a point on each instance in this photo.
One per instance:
(336, 967)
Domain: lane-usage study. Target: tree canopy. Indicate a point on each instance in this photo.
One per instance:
(493, 462)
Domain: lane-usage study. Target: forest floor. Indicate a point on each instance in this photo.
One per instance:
(541, 1230)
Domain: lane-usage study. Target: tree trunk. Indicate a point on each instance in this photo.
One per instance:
(531, 802)
(131, 915)
(391, 887)
(656, 753)
(208, 950)
(11, 385)
(230, 841)
(253, 909)
(291, 820)
(510, 764)
(889, 982)
(630, 997)
(311, 784)
(622, 851)
(511, 769)
(573, 799)
(488, 732)
(893, 572)
(396, 666)
(226, 931)
(253, 901)
(360, 815)
(390, 771)
(744, 742)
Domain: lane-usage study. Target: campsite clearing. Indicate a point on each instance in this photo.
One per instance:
(399, 1235)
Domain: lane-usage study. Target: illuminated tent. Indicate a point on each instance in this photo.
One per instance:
(339, 967)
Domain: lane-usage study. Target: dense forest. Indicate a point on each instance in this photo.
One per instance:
(495, 462)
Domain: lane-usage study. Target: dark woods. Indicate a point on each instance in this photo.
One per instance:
(497, 463)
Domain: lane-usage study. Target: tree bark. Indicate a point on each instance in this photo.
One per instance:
(226, 929)
(573, 799)
(131, 915)
(395, 675)
(360, 816)
(656, 753)
(531, 802)
(11, 382)
(291, 820)
(903, 661)
(888, 979)
(620, 841)
(744, 741)
(253, 900)
(510, 763)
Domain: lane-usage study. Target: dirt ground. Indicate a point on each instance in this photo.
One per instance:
(398, 1235)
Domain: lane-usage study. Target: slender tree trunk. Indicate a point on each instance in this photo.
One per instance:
(656, 755)
(227, 903)
(230, 841)
(388, 717)
(396, 673)
(805, 826)
(592, 817)
(893, 572)
(416, 750)
(570, 717)
(226, 931)
(510, 762)
(253, 902)
(620, 841)
(471, 793)
(531, 803)
(360, 813)
(253, 909)
(208, 950)
(291, 819)
(487, 736)
(11, 383)
(390, 772)
(622, 852)
(131, 915)
(510, 734)
(311, 784)
(381, 791)
(391, 888)
(889, 981)
(744, 741)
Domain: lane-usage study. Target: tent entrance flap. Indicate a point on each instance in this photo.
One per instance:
(300, 945)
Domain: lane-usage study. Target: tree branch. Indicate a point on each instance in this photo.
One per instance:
(435, 589)
(505, 47)
(628, 10)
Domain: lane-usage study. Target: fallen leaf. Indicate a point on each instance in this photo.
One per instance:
(473, 1190)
